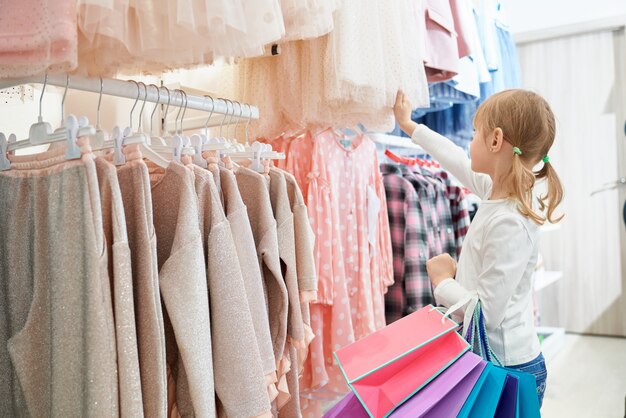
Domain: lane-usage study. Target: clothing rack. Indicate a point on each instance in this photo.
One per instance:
(128, 89)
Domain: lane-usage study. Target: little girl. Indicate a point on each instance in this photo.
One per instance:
(514, 132)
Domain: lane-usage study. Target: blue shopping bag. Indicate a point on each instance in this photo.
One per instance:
(527, 394)
(485, 397)
(500, 392)
(508, 407)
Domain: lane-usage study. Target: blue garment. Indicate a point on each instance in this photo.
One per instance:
(447, 93)
(536, 367)
(511, 73)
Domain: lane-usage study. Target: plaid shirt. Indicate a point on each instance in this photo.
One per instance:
(445, 228)
(459, 210)
(409, 239)
(428, 203)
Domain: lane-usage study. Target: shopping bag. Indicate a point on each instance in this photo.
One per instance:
(445, 395)
(484, 399)
(508, 406)
(349, 406)
(527, 394)
(389, 366)
(526, 402)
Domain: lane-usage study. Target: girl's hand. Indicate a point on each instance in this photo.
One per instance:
(440, 268)
(402, 111)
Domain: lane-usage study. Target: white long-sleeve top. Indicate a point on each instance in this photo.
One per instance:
(497, 261)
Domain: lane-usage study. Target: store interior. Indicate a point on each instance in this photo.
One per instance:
(307, 104)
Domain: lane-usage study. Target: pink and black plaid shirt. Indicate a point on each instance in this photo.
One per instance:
(410, 245)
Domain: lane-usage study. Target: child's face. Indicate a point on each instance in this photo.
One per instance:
(481, 157)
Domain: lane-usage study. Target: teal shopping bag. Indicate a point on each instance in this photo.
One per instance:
(527, 394)
(484, 398)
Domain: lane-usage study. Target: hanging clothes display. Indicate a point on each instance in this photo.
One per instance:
(353, 73)
(344, 191)
(106, 38)
(156, 297)
(59, 304)
(38, 36)
(424, 222)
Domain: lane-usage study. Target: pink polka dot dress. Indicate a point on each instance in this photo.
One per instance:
(347, 209)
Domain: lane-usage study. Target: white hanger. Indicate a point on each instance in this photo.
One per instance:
(5, 164)
(40, 133)
(101, 136)
(255, 152)
(179, 144)
(138, 138)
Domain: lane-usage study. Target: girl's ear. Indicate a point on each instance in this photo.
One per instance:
(497, 140)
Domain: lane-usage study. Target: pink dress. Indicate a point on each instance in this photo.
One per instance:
(37, 36)
(353, 254)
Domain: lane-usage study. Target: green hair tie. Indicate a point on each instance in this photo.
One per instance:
(546, 159)
(517, 151)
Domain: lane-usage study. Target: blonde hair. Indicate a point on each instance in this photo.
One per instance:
(527, 122)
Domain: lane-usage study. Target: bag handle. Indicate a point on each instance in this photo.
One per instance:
(474, 328)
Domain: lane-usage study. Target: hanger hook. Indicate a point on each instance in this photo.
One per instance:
(224, 118)
(43, 90)
(182, 119)
(145, 98)
(67, 83)
(248, 122)
(180, 109)
(230, 121)
(167, 109)
(99, 103)
(206, 124)
(155, 106)
(238, 120)
(135, 104)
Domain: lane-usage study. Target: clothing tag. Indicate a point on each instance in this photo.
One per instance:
(373, 209)
(346, 143)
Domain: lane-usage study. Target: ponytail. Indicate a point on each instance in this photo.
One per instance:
(523, 181)
(553, 198)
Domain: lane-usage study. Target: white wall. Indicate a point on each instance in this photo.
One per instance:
(531, 15)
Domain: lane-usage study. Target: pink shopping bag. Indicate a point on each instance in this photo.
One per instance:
(386, 368)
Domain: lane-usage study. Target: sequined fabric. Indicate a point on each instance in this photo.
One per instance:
(57, 340)
(120, 275)
(239, 379)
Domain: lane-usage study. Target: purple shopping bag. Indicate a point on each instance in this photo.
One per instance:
(442, 397)
(349, 406)
(446, 394)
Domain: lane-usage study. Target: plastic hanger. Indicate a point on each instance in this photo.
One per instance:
(156, 140)
(187, 148)
(179, 144)
(83, 122)
(200, 140)
(256, 152)
(139, 138)
(41, 133)
(101, 138)
(5, 163)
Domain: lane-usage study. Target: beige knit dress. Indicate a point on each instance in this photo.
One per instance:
(120, 275)
(237, 215)
(239, 379)
(254, 191)
(57, 340)
(183, 284)
(134, 182)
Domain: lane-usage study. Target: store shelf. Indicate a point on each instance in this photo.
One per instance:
(544, 278)
(552, 341)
